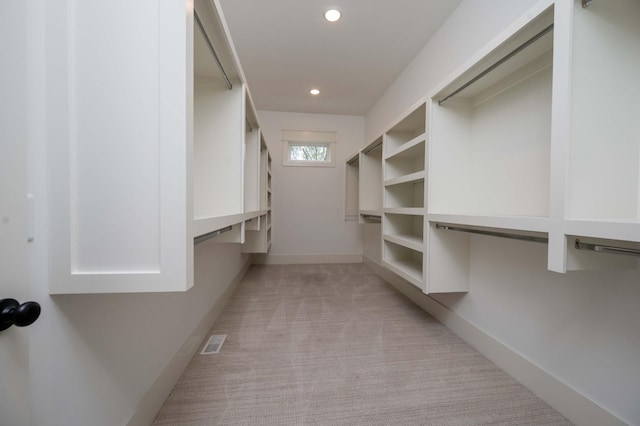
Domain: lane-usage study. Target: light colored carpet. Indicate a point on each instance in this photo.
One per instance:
(336, 345)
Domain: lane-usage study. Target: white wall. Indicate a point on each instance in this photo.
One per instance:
(582, 327)
(309, 202)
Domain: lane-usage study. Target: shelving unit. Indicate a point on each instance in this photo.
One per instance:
(352, 183)
(404, 177)
(252, 152)
(370, 182)
(258, 235)
(604, 161)
(490, 141)
(132, 199)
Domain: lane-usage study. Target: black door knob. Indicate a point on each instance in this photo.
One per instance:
(20, 315)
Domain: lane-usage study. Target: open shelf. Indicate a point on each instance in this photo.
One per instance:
(370, 178)
(604, 165)
(409, 194)
(490, 143)
(252, 157)
(352, 184)
(406, 161)
(405, 230)
(405, 262)
(410, 127)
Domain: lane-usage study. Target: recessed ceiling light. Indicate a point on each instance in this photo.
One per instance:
(332, 15)
(314, 91)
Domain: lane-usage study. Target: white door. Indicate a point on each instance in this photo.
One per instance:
(14, 401)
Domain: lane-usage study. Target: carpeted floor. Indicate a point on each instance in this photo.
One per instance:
(336, 345)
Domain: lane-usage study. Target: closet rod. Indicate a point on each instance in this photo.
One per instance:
(353, 160)
(376, 146)
(586, 3)
(497, 64)
(213, 51)
(607, 249)
(495, 234)
(210, 235)
(371, 216)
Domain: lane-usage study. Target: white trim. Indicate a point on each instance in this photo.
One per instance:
(148, 407)
(302, 259)
(568, 401)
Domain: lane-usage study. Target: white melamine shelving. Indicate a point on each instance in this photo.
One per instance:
(131, 197)
(604, 151)
(352, 184)
(370, 181)
(403, 261)
(404, 177)
(490, 142)
(252, 150)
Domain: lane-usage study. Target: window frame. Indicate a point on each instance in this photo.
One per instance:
(292, 138)
(288, 162)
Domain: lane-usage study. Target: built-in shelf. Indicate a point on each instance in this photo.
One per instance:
(490, 143)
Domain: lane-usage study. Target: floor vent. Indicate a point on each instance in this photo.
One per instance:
(214, 344)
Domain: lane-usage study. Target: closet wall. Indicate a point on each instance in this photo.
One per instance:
(580, 327)
(309, 205)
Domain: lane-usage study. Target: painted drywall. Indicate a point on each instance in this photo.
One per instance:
(582, 327)
(309, 202)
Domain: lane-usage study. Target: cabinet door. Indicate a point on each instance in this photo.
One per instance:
(119, 101)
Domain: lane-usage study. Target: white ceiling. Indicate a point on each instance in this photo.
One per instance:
(286, 48)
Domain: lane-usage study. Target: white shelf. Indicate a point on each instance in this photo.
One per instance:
(410, 178)
(615, 230)
(408, 128)
(407, 148)
(406, 240)
(410, 270)
(604, 161)
(370, 176)
(490, 143)
(408, 194)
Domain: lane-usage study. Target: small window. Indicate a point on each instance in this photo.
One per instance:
(311, 149)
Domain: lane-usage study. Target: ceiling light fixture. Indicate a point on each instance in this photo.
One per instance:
(332, 15)
(314, 92)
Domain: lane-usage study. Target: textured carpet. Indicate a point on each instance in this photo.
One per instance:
(336, 345)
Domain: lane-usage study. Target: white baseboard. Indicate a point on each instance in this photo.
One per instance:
(305, 259)
(156, 395)
(567, 401)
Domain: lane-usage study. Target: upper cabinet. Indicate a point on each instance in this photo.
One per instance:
(148, 142)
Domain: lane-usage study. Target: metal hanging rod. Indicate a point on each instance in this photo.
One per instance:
(586, 3)
(497, 64)
(371, 216)
(210, 235)
(353, 160)
(607, 249)
(495, 234)
(213, 51)
(376, 146)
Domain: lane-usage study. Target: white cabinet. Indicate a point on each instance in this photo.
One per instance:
(138, 165)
